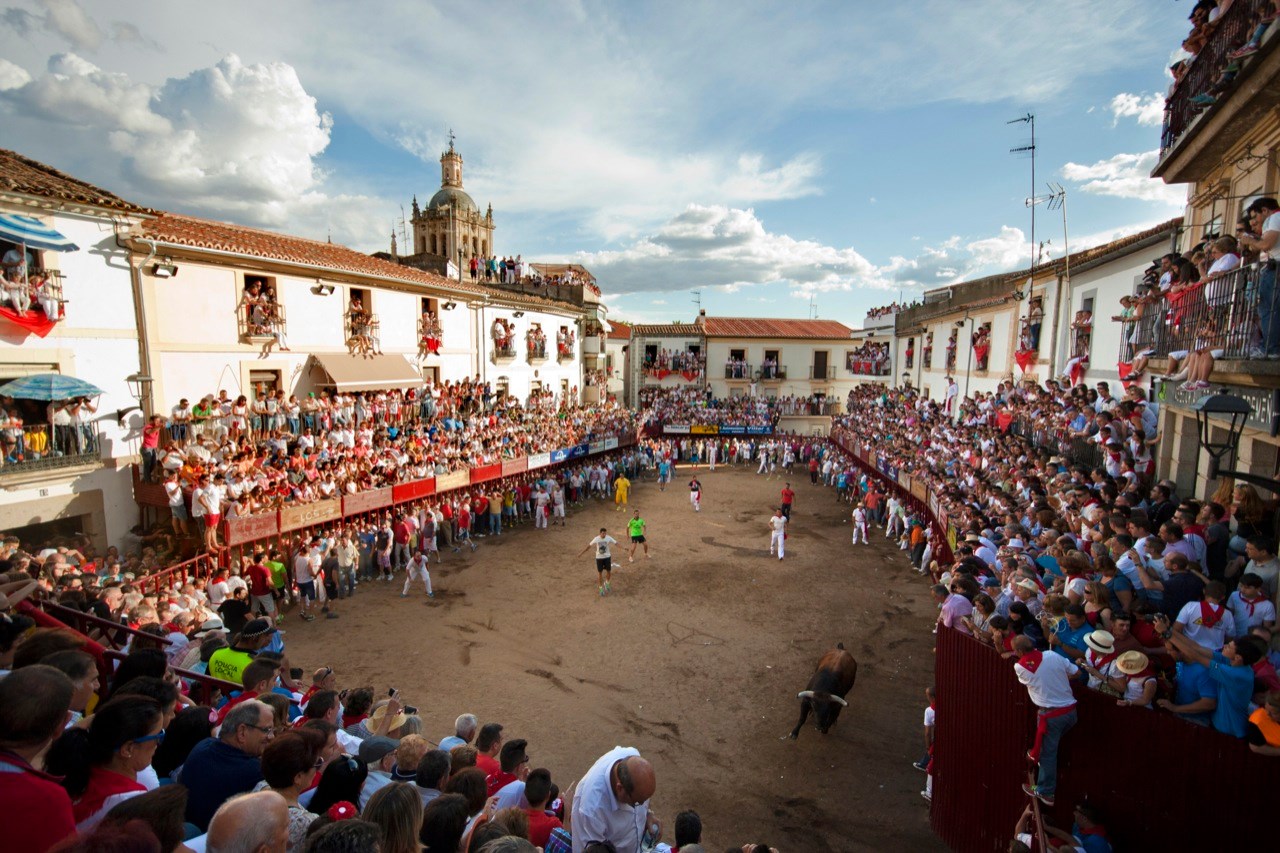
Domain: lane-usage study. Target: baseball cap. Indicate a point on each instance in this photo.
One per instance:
(374, 749)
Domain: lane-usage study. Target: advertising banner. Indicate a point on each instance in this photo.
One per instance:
(319, 512)
(454, 480)
(904, 480)
(366, 501)
(597, 446)
(515, 466)
(759, 430)
(611, 443)
(483, 473)
(733, 429)
(579, 451)
(704, 429)
(919, 490)
(539, 460)
(675, 429)
(403, 492)
(252, 527)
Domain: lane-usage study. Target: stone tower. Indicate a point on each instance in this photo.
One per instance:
(451, 226)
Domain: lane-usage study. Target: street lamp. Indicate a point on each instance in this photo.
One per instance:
(1232, 412)
(139, 385)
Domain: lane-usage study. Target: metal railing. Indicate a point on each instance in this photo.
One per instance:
(773, 372)
(827, 372)
(1225, 313)
(926, 358)
(1059, 442)
(41, 447)
(361, 325)
(113, 635)
(738, 370)
(537, 349)
(869, 367)
(1204, 74)
(261, 321)
(507, 350)
(571, 293)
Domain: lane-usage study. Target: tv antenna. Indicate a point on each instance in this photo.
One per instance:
(1029, 148)
(697, 298)
(813, 306)
(1056, 199)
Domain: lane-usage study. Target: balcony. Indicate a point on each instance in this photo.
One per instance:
(773, 373)
(537, 349)
(592, 345)
(869, 367)
(361, 328)
(262, 322)
(738, 371)
(32, 448)
(822, 373)
(926, 358)
(1196, 136)
(429, 335)
(503, 352)
(1221, 314)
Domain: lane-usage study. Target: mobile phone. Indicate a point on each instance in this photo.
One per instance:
(392, 692)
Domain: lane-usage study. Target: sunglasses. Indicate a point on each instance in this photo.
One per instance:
(157, 737)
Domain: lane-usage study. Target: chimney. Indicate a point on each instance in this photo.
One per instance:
(702, 316)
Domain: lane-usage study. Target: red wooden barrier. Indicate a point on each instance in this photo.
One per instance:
(484, 473)
(404, 492)
(1161, 783)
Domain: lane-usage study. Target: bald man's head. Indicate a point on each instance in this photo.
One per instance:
(634, 780)
(250, 823)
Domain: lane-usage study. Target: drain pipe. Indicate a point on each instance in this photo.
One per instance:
(140, 318)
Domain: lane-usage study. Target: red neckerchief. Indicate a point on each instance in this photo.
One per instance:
(1208, 618)
(1031, 660)
(1099, 663)
(1252, 602)
(1099, 831)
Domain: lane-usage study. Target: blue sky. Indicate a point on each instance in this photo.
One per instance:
(764, 153)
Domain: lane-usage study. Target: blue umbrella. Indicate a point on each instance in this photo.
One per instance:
(33, 233)
(49, 386)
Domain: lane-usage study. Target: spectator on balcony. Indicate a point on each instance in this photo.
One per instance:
(17, 292)
(1264, 216)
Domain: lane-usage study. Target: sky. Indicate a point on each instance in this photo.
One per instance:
(768, 159)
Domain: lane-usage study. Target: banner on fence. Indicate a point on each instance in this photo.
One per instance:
(904, 480)
(539, 460)
(733, 429)
(918, 490)
(576, 452)
(413, 491)
(611, 443)
(252, 527)
(597, 446)
(704, 429)
(484, 473)
(759, 430)
(366, 501)
(307, 515)
(675, 429)
(515, 466)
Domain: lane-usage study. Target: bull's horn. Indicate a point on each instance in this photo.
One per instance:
(805, 694)
(843, 703)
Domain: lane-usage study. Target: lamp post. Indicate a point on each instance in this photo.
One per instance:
(1232, 412)
(139, 385)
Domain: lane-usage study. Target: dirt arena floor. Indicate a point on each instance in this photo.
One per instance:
(695, 659)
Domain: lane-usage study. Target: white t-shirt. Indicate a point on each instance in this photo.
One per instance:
(1049, 684)
(1272, 223)
(778, 523)
(602, 544)
(1211, 638)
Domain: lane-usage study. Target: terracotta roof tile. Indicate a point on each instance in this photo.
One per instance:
(686, 330)
(181, 230)
(619, 331)
(23, 175)
(763, 327)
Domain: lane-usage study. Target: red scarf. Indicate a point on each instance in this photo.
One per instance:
(1250, 603)
(1031, 660)
(1208, 618)
(1099, 663)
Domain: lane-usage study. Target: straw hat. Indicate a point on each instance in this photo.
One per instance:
(1131, 663)
(375, 719)
(1101, 642)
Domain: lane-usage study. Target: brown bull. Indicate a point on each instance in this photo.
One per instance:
(830, 683)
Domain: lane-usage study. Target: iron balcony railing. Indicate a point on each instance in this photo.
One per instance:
(537, 349)
(1206, 68)
(773, 372)
(360, 325)
(822, 372)
(1224, 313)
(41, 447)
(737, 370)
(261, 321)
(507, 350)
(869, 366)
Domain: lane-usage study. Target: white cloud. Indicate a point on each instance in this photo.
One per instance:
(1147, 109)
(12, 76)
(1126, 176)
(727, 248)
(62, 18)
(232, 140)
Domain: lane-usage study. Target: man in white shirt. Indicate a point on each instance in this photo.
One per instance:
(778, 533)
(1048, 681)
(1264, 218)
(611, 802)
(1209, 622)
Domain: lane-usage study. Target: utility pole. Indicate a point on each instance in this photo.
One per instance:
(1030, 148)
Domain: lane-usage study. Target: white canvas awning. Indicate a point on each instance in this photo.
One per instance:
(361, 373)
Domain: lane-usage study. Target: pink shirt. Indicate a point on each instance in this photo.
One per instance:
(954, 609)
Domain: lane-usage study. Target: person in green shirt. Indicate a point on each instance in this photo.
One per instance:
(635, 528)
(279, 578)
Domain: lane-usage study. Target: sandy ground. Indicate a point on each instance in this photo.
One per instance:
(695, 659)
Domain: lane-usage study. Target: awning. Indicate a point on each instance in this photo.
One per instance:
(361, 373)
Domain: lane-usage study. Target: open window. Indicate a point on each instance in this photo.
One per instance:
(926, 354)
(361, 323)
(981, 346)
(736, 366)
(430, 333)
(30, 293)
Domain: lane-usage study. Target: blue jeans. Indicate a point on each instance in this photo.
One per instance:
(1055, 728)
(1268, 315)
(495, 523)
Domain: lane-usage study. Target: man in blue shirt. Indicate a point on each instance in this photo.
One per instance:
(1067, 638)
(1195, 697)
(1232, 669)
(219, 768)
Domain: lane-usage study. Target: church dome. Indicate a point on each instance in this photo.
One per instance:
(454, 197)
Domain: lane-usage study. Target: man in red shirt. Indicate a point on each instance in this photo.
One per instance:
(400, 536)
(787, 497)
(259, 578)
(488, 745)
(813, 470)
(36, 811)
(537, 790)
(464, 526)
(481, 508)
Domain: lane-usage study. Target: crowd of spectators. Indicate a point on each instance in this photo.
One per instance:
(871, 357)
(894, 308)
(1206, 19)
(663, 361)
(1165, 601)
(25, 287)
(225, 457)
(697, 406)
